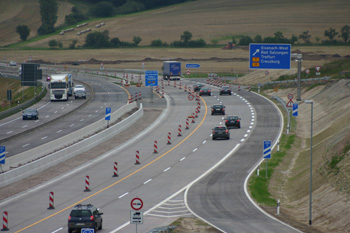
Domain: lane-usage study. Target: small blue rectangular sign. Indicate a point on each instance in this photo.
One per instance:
(295, 109)
(2, 154)
(151, 78)
(269, 56)
(108, 114)
(189, 66)
(267, 150)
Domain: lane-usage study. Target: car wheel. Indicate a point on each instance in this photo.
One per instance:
(100, 228)
(23, 118)
(227, 138)
(70, 231)
(220, 93)
(214, 138)
(223, 113)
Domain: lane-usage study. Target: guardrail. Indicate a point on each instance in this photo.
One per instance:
(276, 97)
(50, 154)
(294, 81)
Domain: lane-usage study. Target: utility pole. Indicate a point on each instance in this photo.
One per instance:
(298, 58)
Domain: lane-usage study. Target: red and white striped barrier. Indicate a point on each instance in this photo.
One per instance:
(155, 148)
(115, 169)
(162, 93)
(169, 138)
(249, 88)
(139, 95)
(51, 201)
(239, 87)
(135, 96)
(180, 86)
(193, 118)
(137, 157)
(87, 184)
(179, 133)
(5, 221)
(187, 124)
(131, 99)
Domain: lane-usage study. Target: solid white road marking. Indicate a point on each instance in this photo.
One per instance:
(167, 169)
(147, 181)
(26, 145)
(182, 159)
(195, 150)
(43, 138)
(123, 195)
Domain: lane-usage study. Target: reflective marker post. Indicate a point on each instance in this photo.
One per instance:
(108, 116)
(267, 152)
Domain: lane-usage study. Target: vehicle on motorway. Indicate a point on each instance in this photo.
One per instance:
(225, 90)
(13, 63)
(79, 88)
(59, 87)
(218, 109)
(80, 94)
(198, 86)
(233, 122)
(221, 132)
(30, 114)
(84, 216)
(205, 91)
(171, 70)
(212, 75)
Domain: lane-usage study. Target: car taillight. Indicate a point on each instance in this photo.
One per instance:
(229, 89)
(69, 218)
(91, 218)
(226, 121)
(223, 109)
(226, 131)
(208, 90)
(213, 131)
(237, 120)
(201, 90)
(212, 109)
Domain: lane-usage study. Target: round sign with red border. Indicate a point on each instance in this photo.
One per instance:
(190, 97)
(307, 71)
(290, 96)
(136, 203)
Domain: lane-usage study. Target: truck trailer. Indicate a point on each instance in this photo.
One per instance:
(172, 70)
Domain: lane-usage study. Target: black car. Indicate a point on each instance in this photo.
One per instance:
(198, 86)
(218, 108)
(80, 94)
(84, 216)
(205, 91)
(233, 122)
(30, 114)
(225, 90)
(221, 132)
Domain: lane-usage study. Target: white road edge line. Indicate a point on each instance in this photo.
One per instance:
(123, 195)
(147, 181)
(167, 169)
(57, 230)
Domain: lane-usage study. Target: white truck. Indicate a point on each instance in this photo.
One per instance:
(59, 87)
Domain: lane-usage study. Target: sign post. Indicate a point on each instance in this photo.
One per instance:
(2, 156)
(269, 56)
(136, 216)
(267, 152)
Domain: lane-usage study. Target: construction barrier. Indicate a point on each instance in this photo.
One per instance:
(5, 223)
(155, 147)
(51, 201)
(137, 157)
(179, 133)
(169, 138)
(87, 184)
(115, 169)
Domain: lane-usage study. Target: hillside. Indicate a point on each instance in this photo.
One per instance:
(203, 18)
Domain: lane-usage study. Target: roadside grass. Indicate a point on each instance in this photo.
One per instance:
(19, 94)
(258, 185)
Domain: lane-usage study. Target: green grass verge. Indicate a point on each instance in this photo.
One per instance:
(258, 185)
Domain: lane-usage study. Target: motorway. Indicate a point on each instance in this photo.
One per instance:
(161, 178)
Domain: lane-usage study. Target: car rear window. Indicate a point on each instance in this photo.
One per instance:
(80, 213)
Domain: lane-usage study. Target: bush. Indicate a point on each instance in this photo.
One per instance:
(53, 43)
(97, 40)
(131, 6)
(103, 9)
(245, 40)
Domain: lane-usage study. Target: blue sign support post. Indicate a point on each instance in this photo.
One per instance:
(2, 156)
(108, 115)
(295, 109)
(267, 152)
(269, 56)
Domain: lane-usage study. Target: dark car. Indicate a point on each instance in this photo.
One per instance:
(218, 109)
(221, 132)
(198, 86)
(84, 216)
(205, 91)
(80, 94)
(225, 90)
(233, 122)
(30, 114)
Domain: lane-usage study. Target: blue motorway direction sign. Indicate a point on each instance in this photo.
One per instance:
(2, 154)
(189, 66)
(267, 150)
(151, 78)
(108, 114)
(295, 109)
(269, 56)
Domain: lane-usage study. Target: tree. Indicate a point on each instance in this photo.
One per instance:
(48, 12)
(293, 39)
(97, 40)
(345, 33)
(305, 36)
(103, 9)
(186, 36)
(331, 33)
(279, 36)
(258, 39)
(137, 40)
(53, 43)
(23, 31)
(245, 40)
